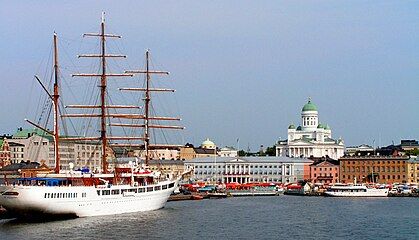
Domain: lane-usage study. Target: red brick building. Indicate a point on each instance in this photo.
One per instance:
(324, 171)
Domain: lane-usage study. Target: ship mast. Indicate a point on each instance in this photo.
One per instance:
(102, 97)
(104, 114)
(147, 90)
(55, 101)
(103, 138)
(146, 108)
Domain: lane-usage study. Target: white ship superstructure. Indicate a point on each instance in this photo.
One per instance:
(356, 191)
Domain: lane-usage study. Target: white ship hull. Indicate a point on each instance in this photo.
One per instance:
(365, 192)
(84, 201)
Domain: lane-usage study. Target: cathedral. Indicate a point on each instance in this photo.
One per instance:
(311, 138)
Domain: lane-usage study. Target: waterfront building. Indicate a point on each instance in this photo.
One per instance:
(413, 170)
(207, 149)
(37, 146)
(205, 152)
(408, 145)
(161, 154)
(311, 138)
(250, 169)
(187, 152)
(5, 157)
(167, 167)
(17, 151)
(325, 171)
(227, 152)
(13, 171)
(378, 169)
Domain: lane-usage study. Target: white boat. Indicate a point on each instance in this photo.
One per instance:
(55, 196)
(126, 189)
(355, 191)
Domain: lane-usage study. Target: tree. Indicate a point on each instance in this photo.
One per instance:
(242, 153)
(270, 151)
(413, 152)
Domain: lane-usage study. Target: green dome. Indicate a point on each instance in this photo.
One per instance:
(299, 128)
(321, 126)
(208, 144)
(292, 126)
(309, 106)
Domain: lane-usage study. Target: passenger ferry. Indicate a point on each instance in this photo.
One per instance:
(340, 190)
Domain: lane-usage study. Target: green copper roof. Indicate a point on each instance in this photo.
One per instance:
(1, 142)
(309, 106)
(299, 128)
(292, 126)
(25, 133)
(321, 126)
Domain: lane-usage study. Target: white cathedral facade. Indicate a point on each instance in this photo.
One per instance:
(311, 138)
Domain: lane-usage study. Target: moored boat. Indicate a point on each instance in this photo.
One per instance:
(217, 195)
(129, 187)
(340, 190)
(58, 196)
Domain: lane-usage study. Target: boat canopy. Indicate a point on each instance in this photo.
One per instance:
(45, 181)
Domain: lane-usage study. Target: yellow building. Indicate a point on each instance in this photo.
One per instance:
(413, 170)
(187, 152)
(167, 167)
(207, 149)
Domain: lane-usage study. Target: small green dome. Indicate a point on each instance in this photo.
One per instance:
(327, 127)
(299, 128)
(309, 106)
(292, 126)
(321, 126)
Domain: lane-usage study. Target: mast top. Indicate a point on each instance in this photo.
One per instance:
(103, 16)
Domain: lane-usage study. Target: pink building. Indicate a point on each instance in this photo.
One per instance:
(325, 171)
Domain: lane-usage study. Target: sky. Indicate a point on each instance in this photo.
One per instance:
(242, 69)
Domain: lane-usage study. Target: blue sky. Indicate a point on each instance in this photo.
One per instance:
(242, 69)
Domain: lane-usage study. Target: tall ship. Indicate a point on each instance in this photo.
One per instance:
(129, 185)
(341, 190)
